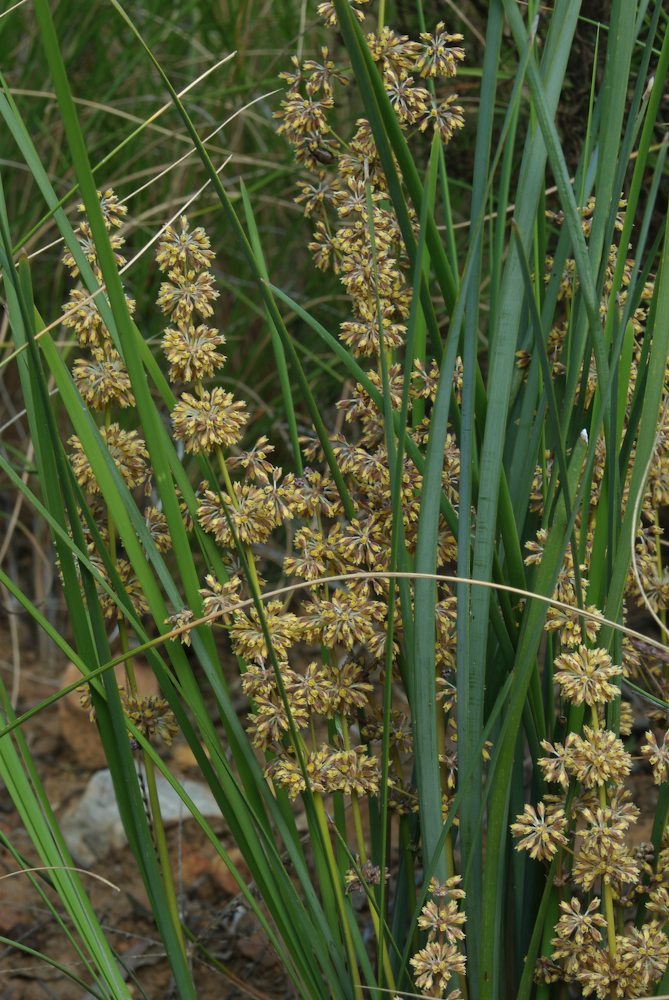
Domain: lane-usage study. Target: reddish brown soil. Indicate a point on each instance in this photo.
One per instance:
(214, 915)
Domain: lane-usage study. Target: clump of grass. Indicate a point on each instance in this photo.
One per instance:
(450, 635)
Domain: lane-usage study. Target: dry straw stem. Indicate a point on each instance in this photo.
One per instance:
(133, 260)
(437, 577)
(176, 633)
(13, 7)
(62, 868)
(111, 110)
(175, 163)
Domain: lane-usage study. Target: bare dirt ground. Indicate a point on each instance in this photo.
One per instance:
(213, 913)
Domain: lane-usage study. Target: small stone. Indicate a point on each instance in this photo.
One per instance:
(92, 827)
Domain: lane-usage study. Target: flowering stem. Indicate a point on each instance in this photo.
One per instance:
(336, 887)
(451, 871)
(357, 823)
(154, 801)
(607, 895)
(373, 905)
(660, 570)
(163, 849)
(373, 911)
(227, 482)
(159, 834)
(156, 818)
(362, 853)
(355, 801)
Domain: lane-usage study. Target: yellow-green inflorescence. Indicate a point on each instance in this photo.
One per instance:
(103, 382)
(585, 822)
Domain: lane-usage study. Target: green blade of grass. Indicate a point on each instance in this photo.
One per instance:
(277, 345)
(646, 436)
(20, 775)
(468, 735)
(504, 335)
(505, 746)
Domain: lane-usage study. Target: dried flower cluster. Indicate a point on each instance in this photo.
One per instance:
(104, 384)
(585, 823)
(357, 233)
(441, 959)
(205, 419)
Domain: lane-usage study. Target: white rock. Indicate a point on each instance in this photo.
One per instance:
(92, 827)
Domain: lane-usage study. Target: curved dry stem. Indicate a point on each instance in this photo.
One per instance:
(13, 7)
(62, 868)
(176, 633)
(438, 577)
(175, 163)
(133, 260)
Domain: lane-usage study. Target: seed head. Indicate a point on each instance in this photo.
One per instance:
(103, 380)
(127, 451)
(184, 249)
(186, 293)
(192, 352)
(435, 965)
(153, 717)
(657, 756)
(214, 419)
(437, 55)
(585, 675)
(542, 831)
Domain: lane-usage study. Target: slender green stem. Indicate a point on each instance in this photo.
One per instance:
(335, 878)
(227, 482)
(609, 910)
(154, 801)
(662, 613)
(163, 849)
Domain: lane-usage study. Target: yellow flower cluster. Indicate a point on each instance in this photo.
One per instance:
(348, 179)
(102, 380)
(584, 825)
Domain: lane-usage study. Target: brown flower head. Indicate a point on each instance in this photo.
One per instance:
(580, 925)
(187, 292)
(597, 757)
(437, 55)
(103, 380)
(192, 352)
(152, 716)
(542, 831)
(186, 249)
(586, 675)
(211, 420)
(446, 118)
(127, 451)
(657, 755)
(435, 965)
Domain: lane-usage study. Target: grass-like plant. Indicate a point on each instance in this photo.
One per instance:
(444, 681)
